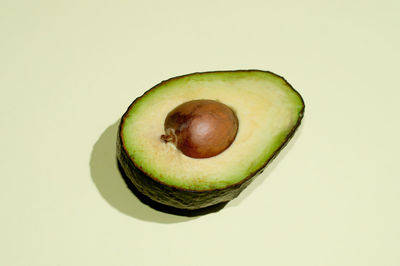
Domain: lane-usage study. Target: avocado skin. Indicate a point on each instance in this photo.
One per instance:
(165, 208)
(182, 198)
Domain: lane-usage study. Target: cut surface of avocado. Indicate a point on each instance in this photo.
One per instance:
(268, 110)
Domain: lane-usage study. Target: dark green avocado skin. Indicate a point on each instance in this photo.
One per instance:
(182, 198)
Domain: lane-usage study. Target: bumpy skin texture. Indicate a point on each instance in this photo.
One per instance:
(183, 198)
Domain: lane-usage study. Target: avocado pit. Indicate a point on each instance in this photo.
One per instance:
(201, 128)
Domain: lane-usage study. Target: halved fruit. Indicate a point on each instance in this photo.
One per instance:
(268, 112)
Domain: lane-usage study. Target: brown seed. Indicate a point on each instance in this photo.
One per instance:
(201, 128)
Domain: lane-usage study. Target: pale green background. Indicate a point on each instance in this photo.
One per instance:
(69, 69)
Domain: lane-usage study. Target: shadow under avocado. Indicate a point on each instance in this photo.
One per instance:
(116, 188)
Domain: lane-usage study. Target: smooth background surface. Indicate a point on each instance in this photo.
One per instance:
(69, 69)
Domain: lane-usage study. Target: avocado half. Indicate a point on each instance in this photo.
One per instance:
(269, 111)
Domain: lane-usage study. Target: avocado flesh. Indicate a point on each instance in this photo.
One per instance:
(269, 111)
